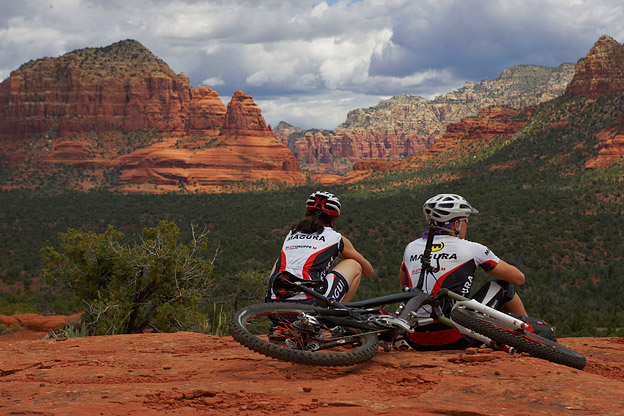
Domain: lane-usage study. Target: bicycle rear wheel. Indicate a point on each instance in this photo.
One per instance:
(297, 333)
(522, 341)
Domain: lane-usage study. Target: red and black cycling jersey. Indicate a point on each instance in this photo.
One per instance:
(308, 256)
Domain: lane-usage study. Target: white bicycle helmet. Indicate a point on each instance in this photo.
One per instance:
(443, 208)
(325, 202)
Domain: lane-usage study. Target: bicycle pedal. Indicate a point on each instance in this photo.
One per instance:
(401, 345)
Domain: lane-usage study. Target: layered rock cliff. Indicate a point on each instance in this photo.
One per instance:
(244, 150)
(119, 87)
(460, 141)
(406, 124)
(601, 74)
(120, 117)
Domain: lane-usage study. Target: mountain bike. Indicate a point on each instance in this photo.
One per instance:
(348, 333)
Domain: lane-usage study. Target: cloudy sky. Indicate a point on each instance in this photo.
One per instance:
(308, 62)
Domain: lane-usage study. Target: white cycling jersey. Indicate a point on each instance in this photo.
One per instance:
(308, 256)
(456, 259)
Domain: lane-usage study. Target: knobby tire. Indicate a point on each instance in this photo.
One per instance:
(522, 341)
(250, 326)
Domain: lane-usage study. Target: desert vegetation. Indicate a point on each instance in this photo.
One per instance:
(541, 210)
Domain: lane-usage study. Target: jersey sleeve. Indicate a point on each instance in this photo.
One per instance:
(485, 258)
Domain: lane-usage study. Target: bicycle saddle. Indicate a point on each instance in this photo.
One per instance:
(285, 285)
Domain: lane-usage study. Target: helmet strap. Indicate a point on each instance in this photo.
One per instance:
(445, 229)
(458, 228)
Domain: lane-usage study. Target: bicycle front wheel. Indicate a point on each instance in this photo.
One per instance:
(522, 341)
(297, 333)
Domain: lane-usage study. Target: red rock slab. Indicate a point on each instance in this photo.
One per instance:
(35, 322)
(612, 151)
(194, 374)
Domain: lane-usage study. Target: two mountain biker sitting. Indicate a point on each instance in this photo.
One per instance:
(312, 245)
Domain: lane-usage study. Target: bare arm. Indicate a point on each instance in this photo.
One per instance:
(507, 272)
(349, 252)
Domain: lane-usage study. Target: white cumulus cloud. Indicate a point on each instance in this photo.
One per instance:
(311, 61)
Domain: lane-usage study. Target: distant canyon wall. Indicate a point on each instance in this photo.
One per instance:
(599, 74)
(118, 117)
(121, 111)
(405, 125)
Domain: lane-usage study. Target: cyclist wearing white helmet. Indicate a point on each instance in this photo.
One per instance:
(454, 261)
(310, 248)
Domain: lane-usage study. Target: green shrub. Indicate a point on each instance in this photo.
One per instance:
(70, 330)
(157, 283)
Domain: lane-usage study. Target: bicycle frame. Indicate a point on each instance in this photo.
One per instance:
(413, 300)
(480, 307)
(351, 333)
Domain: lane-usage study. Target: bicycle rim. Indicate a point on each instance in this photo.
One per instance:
(281, 331)
(522, 341)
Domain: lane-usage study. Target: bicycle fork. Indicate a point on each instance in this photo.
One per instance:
(477, 336)
(493, 313)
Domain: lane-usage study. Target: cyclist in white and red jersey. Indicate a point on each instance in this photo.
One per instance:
(310, 248)
(455, 260)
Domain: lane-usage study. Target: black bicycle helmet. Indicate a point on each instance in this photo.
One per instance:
(324, 202)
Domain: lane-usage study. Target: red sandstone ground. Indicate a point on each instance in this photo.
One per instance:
(192, 374)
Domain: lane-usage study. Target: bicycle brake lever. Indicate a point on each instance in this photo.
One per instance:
(391, 320)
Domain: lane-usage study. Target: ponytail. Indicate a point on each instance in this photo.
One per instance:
(313, 222)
